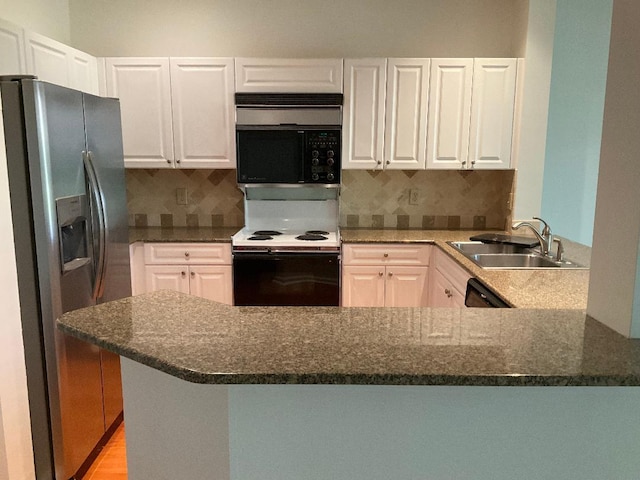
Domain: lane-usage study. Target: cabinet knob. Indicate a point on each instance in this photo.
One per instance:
(390, 274)
(448, 292)
(184, 274)
(168, 161)
(193, 274)
(385, 255)
(379, 162)
(186, 254)
(473, 162)
(464, 163)
(380, 274)
(388, 162)
(177, 160)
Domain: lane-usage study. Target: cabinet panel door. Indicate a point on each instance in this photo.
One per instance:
(364, 101)
(12, 59)
(187, 253)
(449, 112)
(406, 114)
(492, 110)
(406, 287)
(440, 290)
(213, 283)
(363, 286)
(384, 254)
(167, 277)
(202, 96)
(143, 87)
(83, 71)
(47, 59)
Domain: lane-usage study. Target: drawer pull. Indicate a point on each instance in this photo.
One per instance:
(184, 274)
(186, 254)
(385, 255)
(380, 274)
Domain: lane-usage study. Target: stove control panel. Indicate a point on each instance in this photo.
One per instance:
(322, 156)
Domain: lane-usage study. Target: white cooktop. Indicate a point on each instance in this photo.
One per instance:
(247, 238)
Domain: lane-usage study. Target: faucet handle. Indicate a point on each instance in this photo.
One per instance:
(547, 229)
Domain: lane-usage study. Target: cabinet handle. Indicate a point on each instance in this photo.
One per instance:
(184, 274)
(380, 274)
(385, 255)
(448, 292)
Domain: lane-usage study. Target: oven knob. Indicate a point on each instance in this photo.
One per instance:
(315, 154)
(330, 153)
(315, 161)
(315, 176)
(330, 161)
(330, 176)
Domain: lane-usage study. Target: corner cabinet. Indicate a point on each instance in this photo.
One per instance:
(447, 282)
(176, 112)
(385, 275)
(200, 269)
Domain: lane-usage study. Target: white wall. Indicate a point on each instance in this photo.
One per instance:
(47, 17)
(16, 459)
(614, 289)
(299, 28)
(535, 106)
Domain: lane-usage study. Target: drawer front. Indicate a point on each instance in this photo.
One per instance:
(450, 269)
(386, 254)
(187, 253)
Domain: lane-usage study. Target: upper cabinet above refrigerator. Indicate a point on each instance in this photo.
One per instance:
(176, 112)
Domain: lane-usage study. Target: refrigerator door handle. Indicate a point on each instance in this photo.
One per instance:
(98, 206)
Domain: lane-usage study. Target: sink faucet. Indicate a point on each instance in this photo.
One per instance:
(545, 237)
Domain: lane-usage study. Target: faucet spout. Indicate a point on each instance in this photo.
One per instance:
(545, 238)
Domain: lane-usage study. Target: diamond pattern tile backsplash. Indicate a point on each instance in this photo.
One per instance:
(443, 199)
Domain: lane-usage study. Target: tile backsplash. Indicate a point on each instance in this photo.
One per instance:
(442, 199)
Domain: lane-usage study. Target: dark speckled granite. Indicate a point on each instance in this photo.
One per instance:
(206, 342)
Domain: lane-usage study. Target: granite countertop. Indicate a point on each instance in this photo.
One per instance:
(182, 234)
(550, 288)
(205, 342)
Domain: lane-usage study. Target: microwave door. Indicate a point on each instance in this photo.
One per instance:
(269, 156)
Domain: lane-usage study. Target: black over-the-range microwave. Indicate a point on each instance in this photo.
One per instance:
(288, 139)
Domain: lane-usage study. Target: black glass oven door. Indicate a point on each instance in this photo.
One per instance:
(286, 279)
(270, 156)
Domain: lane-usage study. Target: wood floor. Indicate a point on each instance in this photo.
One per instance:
(111, 464)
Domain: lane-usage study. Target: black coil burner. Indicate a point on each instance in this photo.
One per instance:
(311, 237)
(260, 237)
(270, 233)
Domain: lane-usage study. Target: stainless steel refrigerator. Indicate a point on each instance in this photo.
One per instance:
(68, 202)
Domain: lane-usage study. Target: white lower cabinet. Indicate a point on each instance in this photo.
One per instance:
(199, 269)
(385, 275)
(447, 282)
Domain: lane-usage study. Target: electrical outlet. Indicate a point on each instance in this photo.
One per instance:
(414, 196)
(182, 197)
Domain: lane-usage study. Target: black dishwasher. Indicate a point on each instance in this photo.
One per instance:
(480, 296)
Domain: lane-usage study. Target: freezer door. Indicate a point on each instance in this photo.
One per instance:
(55, 138)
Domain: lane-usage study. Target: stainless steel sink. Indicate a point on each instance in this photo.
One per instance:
(499, 256)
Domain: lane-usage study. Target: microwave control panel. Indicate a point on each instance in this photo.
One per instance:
(322, 156)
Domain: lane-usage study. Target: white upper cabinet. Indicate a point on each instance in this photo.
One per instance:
(55, 62)
(406, 113)
(12, 58)
(47, 59)
(144, 89)
(365, 85)
(492, 112)
(288, 75)
(176, 113)
(202, 97)
(449, 112)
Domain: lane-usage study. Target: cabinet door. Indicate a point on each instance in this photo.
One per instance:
(406, 114)
(363, 286)
(143, 87)
(83, 71)
(364, 101)
(202, 96)
(289, 75)
(440, 290)
(492, 110)
(167, 277)
(212, 282)
(12, 59)
(406, 287)
(449, 112)
(47, 59)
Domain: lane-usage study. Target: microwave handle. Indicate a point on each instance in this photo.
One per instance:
(302, 138)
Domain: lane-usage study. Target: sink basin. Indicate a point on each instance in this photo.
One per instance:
(499, 256)
(472, 248)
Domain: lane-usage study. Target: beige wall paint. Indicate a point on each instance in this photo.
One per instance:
(299, 28)
(47, 17)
